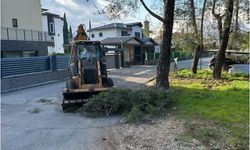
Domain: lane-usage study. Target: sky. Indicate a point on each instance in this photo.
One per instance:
(81, 11)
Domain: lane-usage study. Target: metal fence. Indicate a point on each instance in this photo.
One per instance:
(24, 35)
(62, 62)
(180, 54)
(16, 66)
(24, 65)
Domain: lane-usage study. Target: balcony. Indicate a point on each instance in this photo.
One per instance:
(25, 35)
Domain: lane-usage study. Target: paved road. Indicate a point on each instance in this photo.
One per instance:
(50, 128)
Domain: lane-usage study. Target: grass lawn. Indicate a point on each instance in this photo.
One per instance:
(217, 111)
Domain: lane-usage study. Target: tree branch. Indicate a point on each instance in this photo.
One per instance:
(217, 16)
(219, 20)
(151, 12)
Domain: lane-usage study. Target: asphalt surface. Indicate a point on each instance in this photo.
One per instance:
(29, 124)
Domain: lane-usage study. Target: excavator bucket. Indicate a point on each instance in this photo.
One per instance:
(73, 101)
(75, 98)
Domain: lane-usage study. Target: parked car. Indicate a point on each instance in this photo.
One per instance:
(228, 62)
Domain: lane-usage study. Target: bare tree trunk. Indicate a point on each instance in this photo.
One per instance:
(236, 16)
(165, 55)
(199, 48)
(236, 30)
(220, 58)
(218, 17)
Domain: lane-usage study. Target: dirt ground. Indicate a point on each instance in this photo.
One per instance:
(162, 134)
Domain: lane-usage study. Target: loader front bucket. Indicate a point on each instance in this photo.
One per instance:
(74, 99)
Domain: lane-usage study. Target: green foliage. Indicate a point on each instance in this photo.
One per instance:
(35, 110)
(184, 41)
(239, 41)
(118, 8)
(58, 54)
(65, 30)
(70, 33)
(134, 105)
(207, 74)
(45, 101)
(225, 102)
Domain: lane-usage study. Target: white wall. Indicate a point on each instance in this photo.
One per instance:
(27, 13)
(45, 23)
(58, 37)
(106, 33)
(114, 33)
(136, 29)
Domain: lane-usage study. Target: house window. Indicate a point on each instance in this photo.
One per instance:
(51, 27)
(137, 34)
(14, 23)
(124, 33)
(93, 35)
(100, 34)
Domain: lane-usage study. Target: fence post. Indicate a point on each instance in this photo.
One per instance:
(117, 66)
(53, 65)
(122, 59)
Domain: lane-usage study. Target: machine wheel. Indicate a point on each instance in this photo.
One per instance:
(70, 84)
(108, 82)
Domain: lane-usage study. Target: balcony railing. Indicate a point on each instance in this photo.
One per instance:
(24, 35)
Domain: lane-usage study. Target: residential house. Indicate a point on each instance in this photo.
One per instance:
(116, 30)
(21, 29)
(127, 36)
(53, 24)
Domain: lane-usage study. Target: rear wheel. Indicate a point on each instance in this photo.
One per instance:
(70, 84)
(108, 82)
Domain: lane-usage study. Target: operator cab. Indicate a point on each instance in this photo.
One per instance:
(88, 50)
(90, 53)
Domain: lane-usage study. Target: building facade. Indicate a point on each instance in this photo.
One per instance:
(116, 30)
(128, 36)
(53, 24)
(21, 29)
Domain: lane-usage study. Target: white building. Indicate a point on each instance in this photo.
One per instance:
(128, 36)
(116, 30)
(21, 29)
(53, 24)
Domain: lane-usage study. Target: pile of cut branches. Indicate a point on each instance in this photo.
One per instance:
(134, 105)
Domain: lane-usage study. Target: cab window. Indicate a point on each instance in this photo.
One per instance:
(87, 51)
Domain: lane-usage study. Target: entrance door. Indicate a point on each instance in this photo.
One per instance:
(137, 55)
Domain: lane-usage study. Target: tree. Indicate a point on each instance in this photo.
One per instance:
(117, 8)
(198, 37)
(188, 10)
(70, 33)
(165, 54)
(65, 30)
(224, 32)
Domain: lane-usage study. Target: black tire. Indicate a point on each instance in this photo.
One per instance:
(108, 82)
(70, 84)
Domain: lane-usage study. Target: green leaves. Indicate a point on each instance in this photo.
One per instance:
(134, 105)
